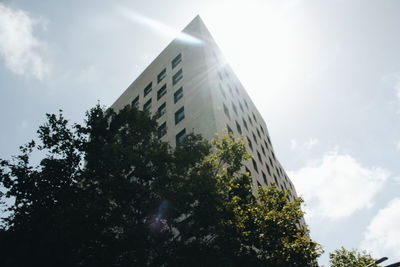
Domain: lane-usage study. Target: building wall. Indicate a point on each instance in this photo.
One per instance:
(208, 84)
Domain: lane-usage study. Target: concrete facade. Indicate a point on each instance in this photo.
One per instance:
(213, 101)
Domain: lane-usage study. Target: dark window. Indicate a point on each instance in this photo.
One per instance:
(239, 129)
(135, 101)
(276, 180)
(268, 169)
(269, 141)
(255, 138)
(161, 75)
(255, 165)
(176, 60)
(254, 116)
(247, 170)
(162, 91)
(147, 89)
(162, 130)
(258, 132)
(250, 144)
(177, 77)
(273, 155)
(234, 109)
(258, 184)
(178, 94)
(229, 129)
(262, 129)
(147, 106)
(270, 161)
(162, 109)
(179, 115)
(263, 150)
(259, 156)
(241, 107)
(245, 103)
(266, 145)
(226, 110)
(264, 177)
(180, 137)
(251, 122)
(245, 124)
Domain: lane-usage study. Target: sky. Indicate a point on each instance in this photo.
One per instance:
(325, 75)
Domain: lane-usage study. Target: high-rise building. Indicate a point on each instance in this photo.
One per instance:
(194, 91)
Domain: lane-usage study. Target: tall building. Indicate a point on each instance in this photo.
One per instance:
(193, 89)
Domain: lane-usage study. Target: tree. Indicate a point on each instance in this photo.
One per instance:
(110, 193)
(343, 258)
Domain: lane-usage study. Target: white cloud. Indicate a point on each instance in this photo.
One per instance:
(306, 146)
(337, 186)
(382, 236)
(21, 50)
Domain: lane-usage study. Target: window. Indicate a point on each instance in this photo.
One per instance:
(147, 90)
(259, 156)
(239, 129)
(180, 137)
(177, 77)
(250, 144)
(273, 155)
(229, 129)
(258, 132)
(264, 177)
(266, 145)
(176, 60)
(241, 107)
(147, 106)
(246, 104)
(276, 180)
(162, 109)
(245, 124)
(270, 161)
(263, 150)
(269, 140)
(161, 75)
(251, 122)
(135, 101)
(262, 129)
(162, 130)
(268, 169)
(162, 92)
(255, 138)
(178, 94)
(255, 165)
(234, 109)
(226, 110)
(254, 117)
(179, 115)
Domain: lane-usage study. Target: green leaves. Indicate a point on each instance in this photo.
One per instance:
(110, 193)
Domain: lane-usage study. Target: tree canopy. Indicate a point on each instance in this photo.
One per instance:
(108, 192)
(344, 258)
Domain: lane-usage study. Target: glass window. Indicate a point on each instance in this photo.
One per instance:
(262, 129)
(229, 129)
(245, 103)
(161, 75)
(234, 109)
(264, 177)
(135, 101)
(180, 137)
(162, 130)
(226, 111)
(258, 132)
(241, 107)
(263, 150)
(255, 138)
(162, 109)
(250, 144)
(251, 122)
(162, 92)
(245, 124)
(266, 145)
(179, 115)
(177, 77)
(269, 171)
(239, 129)
(255, 165)
(178, 94)
(147, 106)
(176, 60)
(254, 117)
(147, 90)
(259, 157)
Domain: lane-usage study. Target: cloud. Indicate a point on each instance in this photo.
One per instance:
(337, 186)
(382, 236)
(308, 145)
(21, 50)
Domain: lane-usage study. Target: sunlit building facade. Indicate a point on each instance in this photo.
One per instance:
(194, 91)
